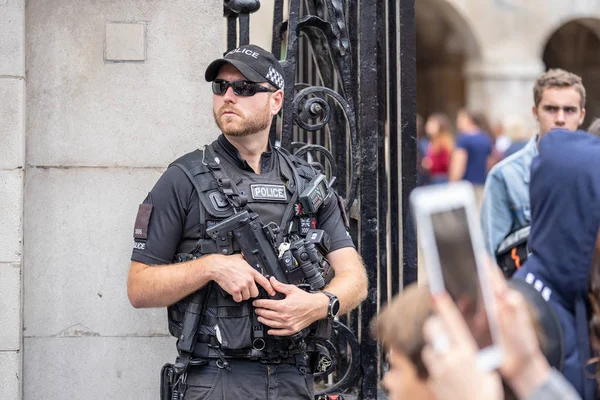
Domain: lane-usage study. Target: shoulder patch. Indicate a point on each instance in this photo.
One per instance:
(140, 230)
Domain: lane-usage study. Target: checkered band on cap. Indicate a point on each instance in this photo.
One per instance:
(275, 77)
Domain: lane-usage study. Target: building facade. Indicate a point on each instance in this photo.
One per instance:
(487, 54)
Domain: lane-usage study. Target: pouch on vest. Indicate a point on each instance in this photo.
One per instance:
(231, 321)
(513, 251)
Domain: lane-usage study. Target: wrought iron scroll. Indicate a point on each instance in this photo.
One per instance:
(323, 24)
(328, 38)
(306, 107)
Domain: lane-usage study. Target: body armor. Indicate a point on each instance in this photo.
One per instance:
(226, 326)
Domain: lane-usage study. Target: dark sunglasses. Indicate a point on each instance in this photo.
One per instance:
(240, 88)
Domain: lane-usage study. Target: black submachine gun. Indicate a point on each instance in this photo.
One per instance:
(300, 263)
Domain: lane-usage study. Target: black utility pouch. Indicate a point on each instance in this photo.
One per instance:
(167, 380)
(513, 251)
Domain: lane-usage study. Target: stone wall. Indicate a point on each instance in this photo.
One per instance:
(12, 160)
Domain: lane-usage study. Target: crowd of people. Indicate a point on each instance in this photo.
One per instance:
(541, 204)
(465, 155)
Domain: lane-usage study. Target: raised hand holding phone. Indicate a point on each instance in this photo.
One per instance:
(453, 371)
(455, 260)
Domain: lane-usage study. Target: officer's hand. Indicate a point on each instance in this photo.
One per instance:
(298, 310)
(237, 277)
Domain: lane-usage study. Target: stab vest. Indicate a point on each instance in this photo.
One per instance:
(225, 324)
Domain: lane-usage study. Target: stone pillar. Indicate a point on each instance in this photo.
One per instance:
(115, 92)
(501, 90)
(12, 160)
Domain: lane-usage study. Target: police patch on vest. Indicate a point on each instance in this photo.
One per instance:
(268, 192)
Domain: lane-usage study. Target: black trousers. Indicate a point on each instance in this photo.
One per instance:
(248, 380)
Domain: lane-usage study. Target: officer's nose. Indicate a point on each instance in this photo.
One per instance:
(229, 96)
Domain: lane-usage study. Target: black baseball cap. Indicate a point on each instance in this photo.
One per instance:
(254, 62)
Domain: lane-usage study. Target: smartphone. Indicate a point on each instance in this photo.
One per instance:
(451, 243)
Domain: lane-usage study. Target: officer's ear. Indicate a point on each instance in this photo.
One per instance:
(276, 101)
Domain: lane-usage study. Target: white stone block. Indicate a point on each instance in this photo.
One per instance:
(10, 375)
(11, 213)
(125, 41)
(79, 230)
(84, 111)
(95, 368)
(12, 38)
(12, 125)
(10, 307)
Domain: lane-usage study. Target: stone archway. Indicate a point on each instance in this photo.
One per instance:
(575, 47)
(445, 44)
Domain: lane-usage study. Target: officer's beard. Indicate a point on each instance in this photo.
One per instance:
(242, 125)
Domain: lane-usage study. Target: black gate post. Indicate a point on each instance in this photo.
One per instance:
(408, 145)
(371, 102)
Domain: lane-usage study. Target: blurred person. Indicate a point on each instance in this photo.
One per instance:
(559, 102)
(502, 142)
(450, 355)
(564, 242)
(515, 129)
(594, 127)
(414, 375)
(483, 123)
(399, 328)
(441, 143)
(470, 157)
(422, 145)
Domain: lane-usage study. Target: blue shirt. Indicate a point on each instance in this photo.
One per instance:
(505, 205)
(478, 148)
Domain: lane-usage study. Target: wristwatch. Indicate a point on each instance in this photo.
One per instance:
(334, 305)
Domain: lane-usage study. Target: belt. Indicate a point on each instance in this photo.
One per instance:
(265, 359)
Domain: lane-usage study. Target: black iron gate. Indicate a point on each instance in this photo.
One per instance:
(352, 63)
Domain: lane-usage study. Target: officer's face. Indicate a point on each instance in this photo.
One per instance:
(402, 382)
(243, 116)
(559, 108)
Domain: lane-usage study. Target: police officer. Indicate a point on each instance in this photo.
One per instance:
(207, 186)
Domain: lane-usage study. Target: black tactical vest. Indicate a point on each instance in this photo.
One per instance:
(225, 323)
